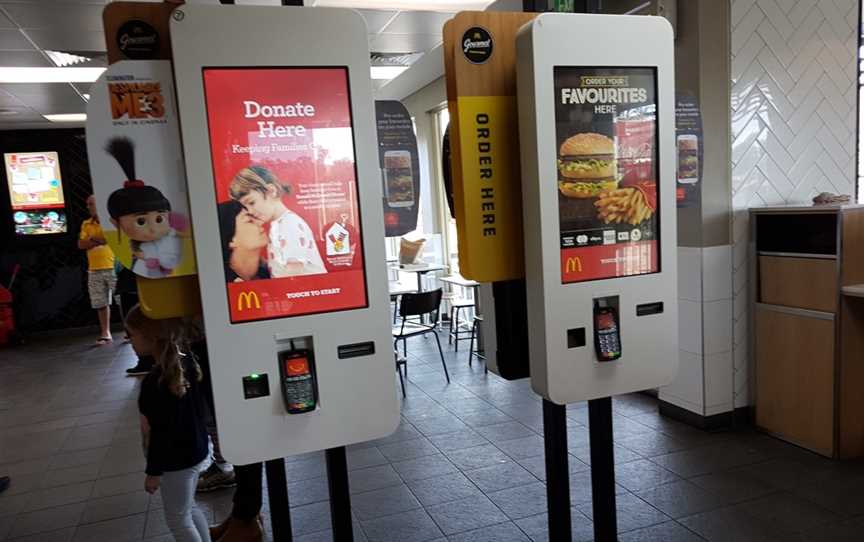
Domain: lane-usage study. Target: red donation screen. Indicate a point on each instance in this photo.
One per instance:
(282, 148)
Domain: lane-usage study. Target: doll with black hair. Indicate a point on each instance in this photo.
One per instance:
(143, 214)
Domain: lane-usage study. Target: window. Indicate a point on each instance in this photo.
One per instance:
(450, 239)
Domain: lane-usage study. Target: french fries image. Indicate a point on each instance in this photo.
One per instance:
(623, 205)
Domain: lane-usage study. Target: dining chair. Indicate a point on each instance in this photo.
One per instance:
(413, 305)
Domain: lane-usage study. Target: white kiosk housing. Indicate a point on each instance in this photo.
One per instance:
(280, 148)
(597, 129)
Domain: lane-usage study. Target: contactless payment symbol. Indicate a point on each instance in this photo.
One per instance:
(477, 45)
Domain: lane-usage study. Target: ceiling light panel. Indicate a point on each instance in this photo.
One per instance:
(49, 75)
(61, 59)
(67, 117)
(386, 72)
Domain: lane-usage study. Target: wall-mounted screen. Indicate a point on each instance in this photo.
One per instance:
(608, 171)
(36, 192)
(282, 150)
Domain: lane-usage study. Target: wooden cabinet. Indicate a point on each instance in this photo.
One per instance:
(795, 372)
(808, 340)
(808, 283)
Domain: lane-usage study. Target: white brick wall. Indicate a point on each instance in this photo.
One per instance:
(794, 87)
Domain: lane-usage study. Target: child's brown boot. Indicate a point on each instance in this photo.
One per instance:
(243, 531)
(218, 531)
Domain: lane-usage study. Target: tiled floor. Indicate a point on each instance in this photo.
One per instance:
(465, 465)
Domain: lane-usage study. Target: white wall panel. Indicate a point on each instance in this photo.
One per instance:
(794, 72)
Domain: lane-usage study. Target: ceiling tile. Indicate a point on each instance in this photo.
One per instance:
(14, 40)
(79, 16)
(404, 43)
(9, 100)
(54, 102)
(376, 19)
(68, 39)
(83, 88)
(5, 22)
(22, 114)
(24, 59)
(53, 91)
(418, 22)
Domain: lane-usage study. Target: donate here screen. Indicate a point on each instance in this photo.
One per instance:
(282, 148)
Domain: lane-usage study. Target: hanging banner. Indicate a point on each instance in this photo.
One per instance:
(480, 69)
(133, 145)
(282, 146)
(400, 167)
(606, 126)
(688, 131)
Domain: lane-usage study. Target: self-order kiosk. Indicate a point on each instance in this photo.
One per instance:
(279, 141)
(596, 125)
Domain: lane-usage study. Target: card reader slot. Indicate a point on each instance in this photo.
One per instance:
(355, 350)
(646, 309)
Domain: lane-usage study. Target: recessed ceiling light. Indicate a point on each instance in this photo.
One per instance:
(49, 75)
(67, 117)
(61, 59)
(387, 72)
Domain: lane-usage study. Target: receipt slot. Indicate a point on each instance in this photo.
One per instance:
(598, 180)
(285, 193)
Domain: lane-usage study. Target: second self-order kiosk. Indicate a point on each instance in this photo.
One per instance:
(596, 128)
(279, 142)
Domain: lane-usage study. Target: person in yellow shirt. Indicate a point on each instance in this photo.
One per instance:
(100, 270)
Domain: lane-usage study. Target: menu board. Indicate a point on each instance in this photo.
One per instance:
(282, 150)
(606, 147)
(36, 192)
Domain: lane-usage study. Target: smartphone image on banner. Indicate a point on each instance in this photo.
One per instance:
(398, 178)
(688, 159)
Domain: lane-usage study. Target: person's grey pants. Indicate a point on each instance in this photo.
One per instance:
(186, 521)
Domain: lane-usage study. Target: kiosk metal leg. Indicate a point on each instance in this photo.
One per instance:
(277, 491)
(340, 499)
(602, 470)
(557, 471)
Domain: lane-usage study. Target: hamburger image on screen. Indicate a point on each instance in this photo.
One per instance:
(587, 165)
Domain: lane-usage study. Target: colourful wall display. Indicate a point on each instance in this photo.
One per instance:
(36, 192)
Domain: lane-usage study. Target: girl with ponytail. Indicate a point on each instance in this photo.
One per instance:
(173, 419)
(291, 247)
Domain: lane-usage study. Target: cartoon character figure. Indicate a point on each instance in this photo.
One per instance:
(143, 214)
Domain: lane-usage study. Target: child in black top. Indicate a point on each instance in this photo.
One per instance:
(173, 415)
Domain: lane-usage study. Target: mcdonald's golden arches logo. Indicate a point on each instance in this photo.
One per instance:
(246, 299)
(574, 265)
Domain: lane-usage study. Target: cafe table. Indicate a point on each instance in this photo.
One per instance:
(419, 269)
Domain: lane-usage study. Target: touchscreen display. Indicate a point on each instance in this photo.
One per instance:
(282, 148)
(607, 171)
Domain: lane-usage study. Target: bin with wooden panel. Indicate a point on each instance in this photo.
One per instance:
(808, 339)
